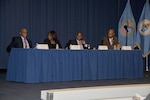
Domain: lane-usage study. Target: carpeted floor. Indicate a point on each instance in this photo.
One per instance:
(21, 91)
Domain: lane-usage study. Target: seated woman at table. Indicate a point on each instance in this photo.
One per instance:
(51, 40)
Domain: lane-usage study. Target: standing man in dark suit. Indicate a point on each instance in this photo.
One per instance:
(110, 40)
(77, 41)
(21, 41)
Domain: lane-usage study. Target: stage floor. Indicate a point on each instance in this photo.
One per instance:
(22, 91)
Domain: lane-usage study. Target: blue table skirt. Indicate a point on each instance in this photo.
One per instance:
(34, 66)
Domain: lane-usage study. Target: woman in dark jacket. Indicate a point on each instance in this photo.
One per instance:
(51, 40)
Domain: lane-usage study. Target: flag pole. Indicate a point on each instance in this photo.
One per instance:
(147, 69)
(127, 32)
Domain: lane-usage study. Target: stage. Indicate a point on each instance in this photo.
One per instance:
(22, 91)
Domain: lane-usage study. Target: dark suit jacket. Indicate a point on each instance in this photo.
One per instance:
(73, 42)
(105, 41)
(17, 43)
(52, 46)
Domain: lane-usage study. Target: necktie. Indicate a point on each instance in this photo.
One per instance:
(111, 41)
(81, 46)
(25, 43)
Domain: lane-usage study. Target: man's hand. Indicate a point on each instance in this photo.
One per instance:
(118, 45)
(83, 42)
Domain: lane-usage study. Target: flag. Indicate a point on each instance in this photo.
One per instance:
(127, 27)
(143, 30)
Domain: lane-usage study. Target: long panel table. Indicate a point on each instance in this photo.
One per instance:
(34, 65)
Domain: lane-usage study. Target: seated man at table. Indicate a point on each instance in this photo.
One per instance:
(77, 41)
(110, 40)
(20, 41)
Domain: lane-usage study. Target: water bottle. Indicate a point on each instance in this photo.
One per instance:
(89, 46)
(57, 46)
(115, 47)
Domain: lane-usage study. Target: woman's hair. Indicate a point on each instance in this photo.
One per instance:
(53, 34)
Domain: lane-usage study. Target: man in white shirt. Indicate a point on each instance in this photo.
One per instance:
(110, 40)
(21, 41)
(77, 41)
